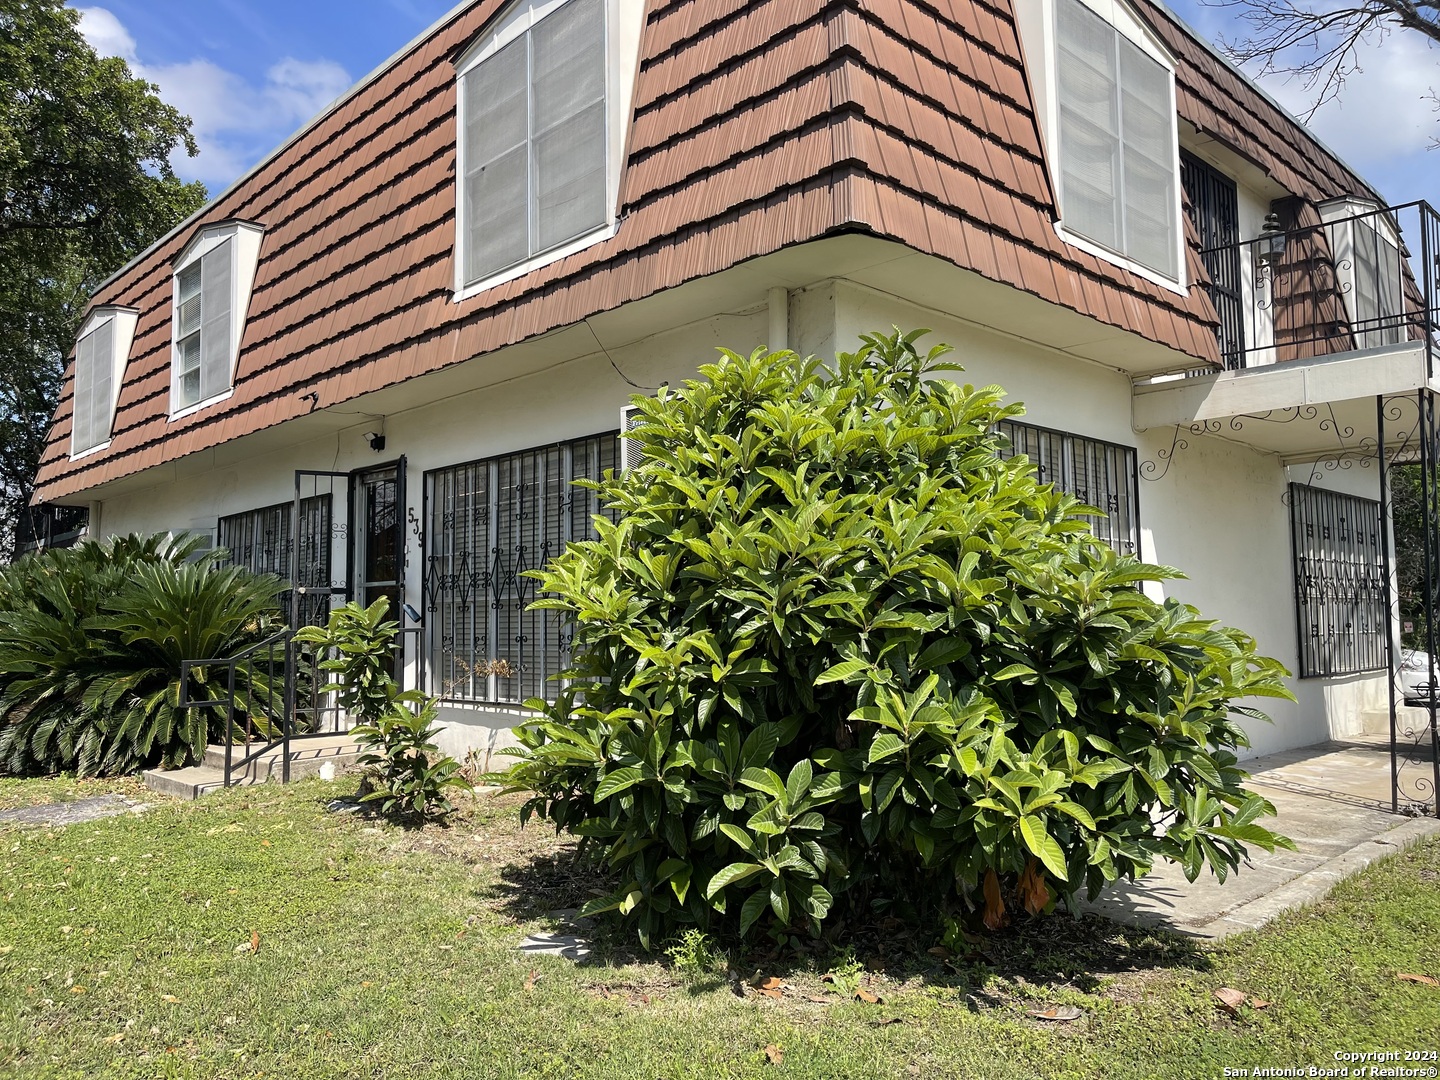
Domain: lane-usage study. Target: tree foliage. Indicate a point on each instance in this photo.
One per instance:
(85, 185)
(91, 644)
(837, 657)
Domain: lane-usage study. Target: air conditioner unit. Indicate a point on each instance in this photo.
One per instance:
(631, 454)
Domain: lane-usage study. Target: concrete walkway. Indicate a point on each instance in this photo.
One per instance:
(1329, 800)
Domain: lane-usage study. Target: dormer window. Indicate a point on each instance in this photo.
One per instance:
(1117, 140)
(100, 356)
(543, 101)
(1106, 99)
(213, 278)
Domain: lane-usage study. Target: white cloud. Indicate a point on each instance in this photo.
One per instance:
(234, 121)
(106, 34)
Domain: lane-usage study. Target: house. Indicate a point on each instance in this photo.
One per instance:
(373, 364)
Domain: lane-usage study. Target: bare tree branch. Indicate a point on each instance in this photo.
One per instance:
(1319, 41)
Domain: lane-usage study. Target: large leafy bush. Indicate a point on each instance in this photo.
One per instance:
(837, 656)
(91, 643)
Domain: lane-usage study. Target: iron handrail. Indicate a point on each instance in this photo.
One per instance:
(1305, 292)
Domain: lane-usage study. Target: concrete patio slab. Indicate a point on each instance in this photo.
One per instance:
(1332, 800)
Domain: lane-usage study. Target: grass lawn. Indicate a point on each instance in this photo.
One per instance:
(390, 954)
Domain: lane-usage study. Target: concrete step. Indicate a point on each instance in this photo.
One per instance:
(308, 757)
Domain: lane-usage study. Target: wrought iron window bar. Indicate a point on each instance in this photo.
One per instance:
(1100, 474)
(263, 541)
(1340, 571)
(488, 522)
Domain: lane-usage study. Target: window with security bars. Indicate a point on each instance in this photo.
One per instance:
(1340, 569)
(263, 541)
(1099, 474)
(1117, 140)
(487, 523)
(533, 139)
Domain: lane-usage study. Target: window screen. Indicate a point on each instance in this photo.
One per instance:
(1376, 296)
(1099, 474)
(1117, 140)
(534, 139)
(203, 299)
(487, 523)
(94, 388)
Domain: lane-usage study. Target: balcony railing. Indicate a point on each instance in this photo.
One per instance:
(1351, 283)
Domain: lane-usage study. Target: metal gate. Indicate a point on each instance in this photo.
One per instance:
(1411, 501)
(347, 536)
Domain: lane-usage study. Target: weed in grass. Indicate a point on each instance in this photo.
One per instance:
(698, 960)
(845, 972)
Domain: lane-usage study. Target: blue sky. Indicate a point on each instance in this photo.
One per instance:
(249, 72)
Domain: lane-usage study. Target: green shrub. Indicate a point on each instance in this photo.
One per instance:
(359, 647)
(91, 642)
(405, 773)
(838, 657)
(409, 779)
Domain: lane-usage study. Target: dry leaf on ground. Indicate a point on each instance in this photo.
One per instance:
(1231, 999)
(1423, 980)
(774, 1054)
(1062, 1013)
(861, 994)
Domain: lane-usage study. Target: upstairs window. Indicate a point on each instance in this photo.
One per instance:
(535, 137)
(1117, 140)
(94, 386)
(100, 355)
(213, 279)
(202, 327)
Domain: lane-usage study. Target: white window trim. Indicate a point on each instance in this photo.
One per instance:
(244, 260)
(93, 450)
(624, 20)
(125, 320)
(213, 399)
(1037, 19)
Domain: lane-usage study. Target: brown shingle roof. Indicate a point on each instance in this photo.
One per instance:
(757, 124)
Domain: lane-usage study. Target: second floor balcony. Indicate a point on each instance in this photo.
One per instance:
(1327, 281)
(1329, 324)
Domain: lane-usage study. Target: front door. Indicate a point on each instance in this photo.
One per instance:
(378, 555)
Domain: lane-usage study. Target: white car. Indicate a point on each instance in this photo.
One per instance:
(1417, 673)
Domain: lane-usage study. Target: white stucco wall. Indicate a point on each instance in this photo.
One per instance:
(1218, 513)
(573, 400)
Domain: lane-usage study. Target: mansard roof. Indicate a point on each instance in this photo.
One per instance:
(757, 125)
